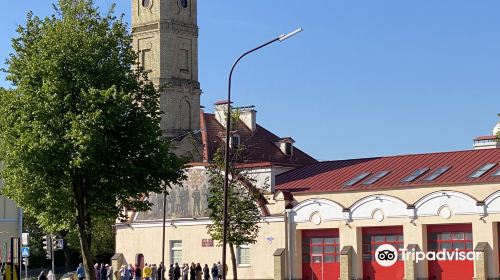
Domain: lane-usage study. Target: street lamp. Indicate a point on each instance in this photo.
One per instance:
(162, 265)
(280, 38)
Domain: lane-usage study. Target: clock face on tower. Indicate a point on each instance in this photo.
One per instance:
(183, 3)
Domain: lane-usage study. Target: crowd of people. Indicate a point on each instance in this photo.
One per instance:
(49, 276)
(150, 272)
(175, 272)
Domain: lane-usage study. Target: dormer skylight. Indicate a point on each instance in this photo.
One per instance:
(356, 179)
(285, 145)
(414, 175)
(496, 174)
(480, 172)
(438, 172)
(377, 176)
(288, 149)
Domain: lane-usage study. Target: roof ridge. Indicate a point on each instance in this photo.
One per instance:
(406, 155)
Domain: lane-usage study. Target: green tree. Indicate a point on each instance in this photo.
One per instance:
(243, 210)
(80, 136)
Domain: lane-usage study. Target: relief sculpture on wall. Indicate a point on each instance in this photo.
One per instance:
(187, 200)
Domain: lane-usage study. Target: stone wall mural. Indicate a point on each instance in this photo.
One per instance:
(190, 199)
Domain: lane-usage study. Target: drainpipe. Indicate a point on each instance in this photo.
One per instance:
(20, 235)
(289, 242)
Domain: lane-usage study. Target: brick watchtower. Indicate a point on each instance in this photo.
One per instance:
(165, 35)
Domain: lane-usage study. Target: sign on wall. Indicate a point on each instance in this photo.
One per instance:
(207, 243)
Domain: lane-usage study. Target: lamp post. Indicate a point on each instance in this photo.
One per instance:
(162, 266)
(280, 38)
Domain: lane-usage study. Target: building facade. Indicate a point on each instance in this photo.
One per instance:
(186, 204)
(320, 220)
(10, 225)
(331, 216)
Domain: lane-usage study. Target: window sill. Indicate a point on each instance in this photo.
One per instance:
(244, 265)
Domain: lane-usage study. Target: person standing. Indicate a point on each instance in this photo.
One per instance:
(104, 272)
(215, 272)
(177, 271)
(171, 272)
(185, 271)
(131, 271)
(199, 271)
(42, 276)
(80, 272)
(109, 274)
(147, 272)
(161, 270)
(124, 273)
(219, 270)
(51, 276)
(192, 272)
(206, 272)
(97, 270)
(154, 272)
(137, 272)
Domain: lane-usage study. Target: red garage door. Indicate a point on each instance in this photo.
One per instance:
(450, 237)
(372, 239)
(320, 254)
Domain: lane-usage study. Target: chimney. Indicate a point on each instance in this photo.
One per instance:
(490, 141)
(496, 129)
(220, 110)
(249, 118)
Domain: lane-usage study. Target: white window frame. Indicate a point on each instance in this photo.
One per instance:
(238, 256)
(172, 249)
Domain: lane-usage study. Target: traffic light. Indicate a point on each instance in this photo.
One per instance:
(25, 262)
(47, 246)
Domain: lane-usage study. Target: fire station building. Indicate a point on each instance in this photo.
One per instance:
(320, 220)
(325, 220)
(343, 210)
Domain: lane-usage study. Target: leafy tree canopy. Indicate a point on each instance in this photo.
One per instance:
(80, 134)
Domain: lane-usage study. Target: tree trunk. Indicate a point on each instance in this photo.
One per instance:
(67, 255)
(82, 219)
(88, 263)
(233, 261)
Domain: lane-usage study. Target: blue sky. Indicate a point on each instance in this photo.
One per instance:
(365, 78)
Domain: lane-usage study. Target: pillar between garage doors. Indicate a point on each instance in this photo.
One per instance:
(481, 261)
(410, 264)
(484, 231)
(415, 236)
(346, 255)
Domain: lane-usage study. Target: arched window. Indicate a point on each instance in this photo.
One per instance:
(185, 115)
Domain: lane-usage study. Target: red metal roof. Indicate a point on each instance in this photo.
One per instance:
(331, 175)
(259, 144)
